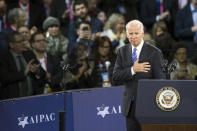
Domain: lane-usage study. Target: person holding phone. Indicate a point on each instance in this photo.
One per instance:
(184, 69)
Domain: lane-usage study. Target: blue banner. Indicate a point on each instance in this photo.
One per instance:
(40, 113)
(98, 110)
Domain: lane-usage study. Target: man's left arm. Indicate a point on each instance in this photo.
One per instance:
(158, 65)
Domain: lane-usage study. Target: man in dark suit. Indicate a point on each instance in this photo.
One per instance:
(137, 60)
(50, 63)
(19, 73)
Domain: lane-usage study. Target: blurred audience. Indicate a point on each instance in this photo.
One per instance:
(20, 73)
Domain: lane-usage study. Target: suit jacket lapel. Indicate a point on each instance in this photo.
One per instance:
(129, 55)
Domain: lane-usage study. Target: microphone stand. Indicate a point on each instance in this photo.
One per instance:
(171, 68)
(64, 70)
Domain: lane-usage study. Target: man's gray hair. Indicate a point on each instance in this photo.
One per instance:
(14, 14)
(135, 23)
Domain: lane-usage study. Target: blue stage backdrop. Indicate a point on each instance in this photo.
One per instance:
(40, 113)
(98, 110)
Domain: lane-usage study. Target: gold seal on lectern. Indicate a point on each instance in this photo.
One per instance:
(168, 98)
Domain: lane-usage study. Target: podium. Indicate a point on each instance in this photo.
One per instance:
(156, 116)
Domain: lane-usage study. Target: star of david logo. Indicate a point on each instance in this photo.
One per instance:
(103, 110)
(23, 121)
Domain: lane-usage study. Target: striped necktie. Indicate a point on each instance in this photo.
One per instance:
(134, 55)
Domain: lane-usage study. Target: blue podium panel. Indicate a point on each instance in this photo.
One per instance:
(148, 112)
(98, 110)
(38, 113)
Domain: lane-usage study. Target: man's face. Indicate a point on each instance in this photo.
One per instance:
(18, 46)
(39, 43)
(22, 19)
(135, 34)
(181, 55)
(84, 31)
(81, 11)
(25, 32)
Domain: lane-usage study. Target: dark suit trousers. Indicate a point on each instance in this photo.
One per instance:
(131, 121)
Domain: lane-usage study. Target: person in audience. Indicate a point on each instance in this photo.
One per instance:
(186, 26)
(79, 73)
(84, 35)
(104, 59)
(159, 28)
(50, 63)
(20, 73)
(115, 29)
(92, 7)
(152, 11)
(185, 70)
(166, 44)
(24, 30)
(101, 15)
(80, 8)
(63, 11)
(56, 43)
(16, 18)
(35, 15)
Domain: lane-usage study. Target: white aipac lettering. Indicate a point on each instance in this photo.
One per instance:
(31, 120)
(36, 118)
(47, 118)
(41, 118)
(52, 116)
(119, 109)
(114, 110)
